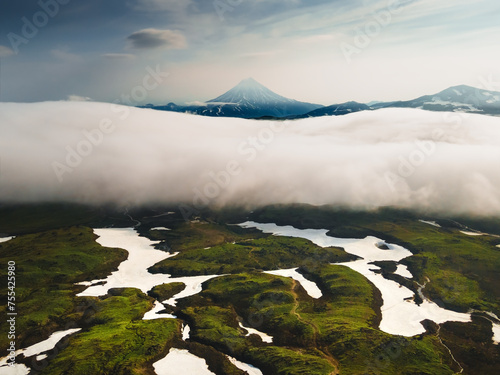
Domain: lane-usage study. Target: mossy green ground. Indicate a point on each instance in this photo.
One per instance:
(463, 270)
(118, 340)
(47, 266)
(334, 334)
(262, 254)
(163, 292)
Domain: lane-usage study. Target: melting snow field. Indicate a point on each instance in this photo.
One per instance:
(185, 332)
(17, 369)
(496, 333)
(471, 233)
(251, 370)
(402, 270)
(132, 272)
(399, 316)
(33, 350)
(310, 286)
(251, 331)
(193, 286)
(180, 361)
(5, 239)
(433, 223)
(154, 313)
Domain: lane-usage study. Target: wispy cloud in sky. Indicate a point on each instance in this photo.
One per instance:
(154, 38)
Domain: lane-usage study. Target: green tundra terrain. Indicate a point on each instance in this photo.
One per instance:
(338, 333)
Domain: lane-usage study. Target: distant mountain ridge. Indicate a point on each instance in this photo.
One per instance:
(250, 99)
(460, 98)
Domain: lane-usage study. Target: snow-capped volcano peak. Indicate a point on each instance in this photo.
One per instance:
(249, 98)
(249, 91)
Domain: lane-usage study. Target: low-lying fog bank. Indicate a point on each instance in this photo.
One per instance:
(96, 152)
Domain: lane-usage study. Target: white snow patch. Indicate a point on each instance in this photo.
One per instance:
(310, 287)
(437, 100)
(493, 99)
(193, 286)
(154, 313)
(48, 344)
(35, 349)
(185, 332)
(433, 223)
(252, 331)
(471, 233)
(179, 361)
(16, 369)
(5, 239)
(41, 357)
(133, 272)
(160, 228)
(496, 333)
(402, 270)
(399, 316)
(90, 283)
(251, 370)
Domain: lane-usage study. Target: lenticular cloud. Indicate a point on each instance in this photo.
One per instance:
(102, 153)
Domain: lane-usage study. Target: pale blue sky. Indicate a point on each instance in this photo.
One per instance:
(307, 50)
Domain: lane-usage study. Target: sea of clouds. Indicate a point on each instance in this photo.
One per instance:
(104, 153)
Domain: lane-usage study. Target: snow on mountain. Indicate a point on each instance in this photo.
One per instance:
(251, 99)
(454, 99)
(248, 99)
(252, 93)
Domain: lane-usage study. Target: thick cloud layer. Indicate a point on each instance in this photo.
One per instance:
(96, 153)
